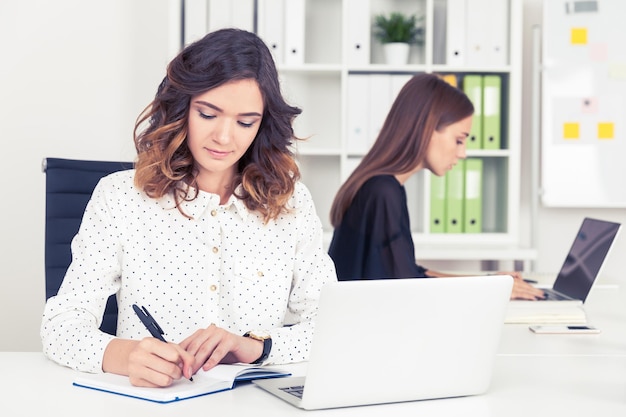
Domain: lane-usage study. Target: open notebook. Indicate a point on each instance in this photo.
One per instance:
(582, 265)
(382, 341)
(220, 378)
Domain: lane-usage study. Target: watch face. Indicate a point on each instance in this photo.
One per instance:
(259, 334)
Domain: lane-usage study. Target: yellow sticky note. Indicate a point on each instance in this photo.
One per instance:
(571, 130)
(605, 130)
(578, 36)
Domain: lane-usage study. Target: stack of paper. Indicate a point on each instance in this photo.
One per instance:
(541, 312)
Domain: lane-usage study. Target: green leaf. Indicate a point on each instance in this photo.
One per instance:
(398, 27)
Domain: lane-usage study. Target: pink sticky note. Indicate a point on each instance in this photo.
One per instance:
(589, 105)
(598, 52)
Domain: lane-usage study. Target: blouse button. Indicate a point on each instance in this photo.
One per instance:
(215, 249)
(213, 213)
(260, 274)
(213, 287)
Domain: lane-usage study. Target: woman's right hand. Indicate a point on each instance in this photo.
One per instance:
(149, 362)
(524, 291)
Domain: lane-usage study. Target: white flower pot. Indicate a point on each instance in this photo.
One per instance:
(396, 53)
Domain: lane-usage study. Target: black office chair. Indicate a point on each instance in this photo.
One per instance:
(69, 184)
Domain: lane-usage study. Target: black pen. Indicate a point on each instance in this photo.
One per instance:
(151, 324)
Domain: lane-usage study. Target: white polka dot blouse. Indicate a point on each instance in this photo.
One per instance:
(223, 265)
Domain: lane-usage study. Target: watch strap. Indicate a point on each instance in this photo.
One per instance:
(267, 347)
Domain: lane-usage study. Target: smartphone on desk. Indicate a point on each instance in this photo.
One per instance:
(564, 329)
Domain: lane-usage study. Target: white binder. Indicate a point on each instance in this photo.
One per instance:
(358, 109)
(379, 104)
(397, 82)
(358, 32)
(242, 14)
(295, 12)
(220, 15)
(455, 32)
(195, 20)
(477, 23)
(497, 51)
(486, 27)
(230, 14)
(270, 19)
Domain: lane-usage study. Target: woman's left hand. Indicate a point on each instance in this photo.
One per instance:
(521, 289)
(215, 345)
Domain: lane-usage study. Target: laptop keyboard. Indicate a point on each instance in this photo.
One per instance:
(552, 295)
(295, 390)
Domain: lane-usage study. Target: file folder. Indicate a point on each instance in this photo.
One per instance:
(271, 27)
(358, 31)
(437, 204)
(478, 22)
(486, 33)
(234, 13)
(358, 111)
(242, 14)
(473, 88)
(450, 79)
(220, 15)
(492, 111)
(379, 104)
(497, 50)
(473, 195)
(195, 15)
(295, 11)
(455, 195)
(455, 32)
(398, 81)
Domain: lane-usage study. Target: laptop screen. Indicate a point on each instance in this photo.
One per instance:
(585, 258)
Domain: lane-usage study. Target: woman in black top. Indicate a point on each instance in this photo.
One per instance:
(426, 128)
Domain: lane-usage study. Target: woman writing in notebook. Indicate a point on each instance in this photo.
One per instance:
(426, 128)
(212, 231)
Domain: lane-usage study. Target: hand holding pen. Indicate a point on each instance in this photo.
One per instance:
(151, 324)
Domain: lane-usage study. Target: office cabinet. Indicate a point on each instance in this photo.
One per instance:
(345, 89)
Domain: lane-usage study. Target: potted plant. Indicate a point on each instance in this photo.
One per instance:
(396, 32)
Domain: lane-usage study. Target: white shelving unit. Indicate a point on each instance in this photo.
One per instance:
(320, 87)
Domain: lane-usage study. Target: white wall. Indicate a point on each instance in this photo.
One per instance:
(75, 74)
(557, 227)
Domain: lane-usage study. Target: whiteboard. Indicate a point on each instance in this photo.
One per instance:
(583, 101)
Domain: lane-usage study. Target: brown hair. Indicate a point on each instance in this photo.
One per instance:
(267, 171)
(424, 105)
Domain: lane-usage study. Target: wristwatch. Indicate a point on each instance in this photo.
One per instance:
(264, 337)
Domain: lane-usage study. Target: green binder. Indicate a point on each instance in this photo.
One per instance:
(492, 112)
(473, 195)
(473, 88)
(454, 198)
(437, 204)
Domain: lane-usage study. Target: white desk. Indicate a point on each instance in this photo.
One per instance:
(521, 386)
(534, 375)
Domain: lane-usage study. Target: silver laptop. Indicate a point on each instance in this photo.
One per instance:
(583, 262)
(384, 341)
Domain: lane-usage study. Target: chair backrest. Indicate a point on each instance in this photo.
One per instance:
(69, 184)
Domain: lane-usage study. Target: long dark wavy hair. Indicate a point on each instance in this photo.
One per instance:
(267, 171)
(424, 105)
